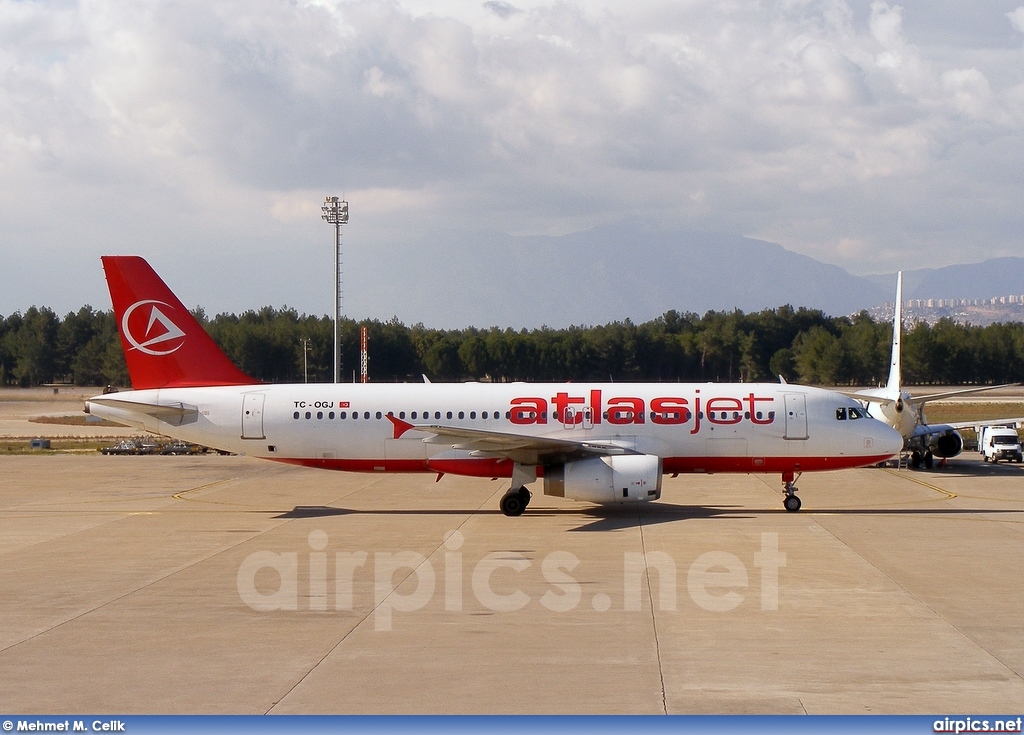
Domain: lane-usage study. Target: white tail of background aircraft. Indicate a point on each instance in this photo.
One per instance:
(596, 442)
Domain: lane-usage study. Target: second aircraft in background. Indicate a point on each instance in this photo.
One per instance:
(904, 412)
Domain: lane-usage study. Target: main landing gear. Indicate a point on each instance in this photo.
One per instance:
(917, 459)
(791, 502)
(514, 502)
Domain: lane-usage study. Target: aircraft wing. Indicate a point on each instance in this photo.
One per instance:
(960, 392)
(1015, 423)
(869, 396)
(923, 430)
(520, 448)
(883, 395)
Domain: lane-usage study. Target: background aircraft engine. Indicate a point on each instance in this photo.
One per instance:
(949, 444)
(617, 479)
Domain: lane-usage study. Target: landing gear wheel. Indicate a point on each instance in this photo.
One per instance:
(791, 502)
(915, 460)
(525, 495)
(929, 460)
(513, 503)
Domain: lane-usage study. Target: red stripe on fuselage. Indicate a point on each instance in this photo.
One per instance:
(495, 467)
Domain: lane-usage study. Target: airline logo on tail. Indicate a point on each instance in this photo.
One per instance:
(140, 331)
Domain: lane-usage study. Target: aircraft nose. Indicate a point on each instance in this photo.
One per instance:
(886, 439)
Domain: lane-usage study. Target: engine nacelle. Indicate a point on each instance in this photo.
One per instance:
(615, 479)
(947, 445)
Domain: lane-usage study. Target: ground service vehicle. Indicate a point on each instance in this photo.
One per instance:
(999, 442)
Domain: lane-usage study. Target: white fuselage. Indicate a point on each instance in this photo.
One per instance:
(692, 427)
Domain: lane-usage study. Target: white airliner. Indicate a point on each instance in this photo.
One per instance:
(597, 442)
(905, 412)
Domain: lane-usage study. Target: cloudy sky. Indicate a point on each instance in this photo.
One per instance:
(205, 135)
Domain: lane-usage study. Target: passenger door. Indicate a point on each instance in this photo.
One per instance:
(796, 415)
(252, 416)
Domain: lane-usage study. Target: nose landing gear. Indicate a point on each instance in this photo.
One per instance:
(791, 502)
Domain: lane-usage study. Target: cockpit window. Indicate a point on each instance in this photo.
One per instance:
(841, 414)
(852, 413)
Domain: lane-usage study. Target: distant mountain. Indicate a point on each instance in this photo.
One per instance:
(613, 273)
(995, 277)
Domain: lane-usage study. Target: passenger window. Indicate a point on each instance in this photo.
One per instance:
(449, 414)
(343, 415)
(472, 414)
(295, 415)
(462, 414)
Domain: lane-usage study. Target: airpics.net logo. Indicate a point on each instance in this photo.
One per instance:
(408, 581)
(150, 330)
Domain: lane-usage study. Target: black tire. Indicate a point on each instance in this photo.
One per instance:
(791, 503)
(512, 504)
(526, 495)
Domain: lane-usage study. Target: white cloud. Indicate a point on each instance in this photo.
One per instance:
(1017, 18)
(811, 122)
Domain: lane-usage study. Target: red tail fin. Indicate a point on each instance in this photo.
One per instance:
(164, 346)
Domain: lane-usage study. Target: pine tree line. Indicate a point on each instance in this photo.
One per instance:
(802, 345)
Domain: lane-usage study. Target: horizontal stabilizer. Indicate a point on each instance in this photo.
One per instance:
(175, 414)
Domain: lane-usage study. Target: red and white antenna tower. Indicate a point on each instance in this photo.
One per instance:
(364, 357)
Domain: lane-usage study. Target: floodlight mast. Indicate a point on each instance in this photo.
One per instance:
(336, 213)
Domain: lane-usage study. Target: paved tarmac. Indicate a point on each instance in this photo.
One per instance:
(228, 585)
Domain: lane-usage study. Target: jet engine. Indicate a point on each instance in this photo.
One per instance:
(619, 478)
(948, 444)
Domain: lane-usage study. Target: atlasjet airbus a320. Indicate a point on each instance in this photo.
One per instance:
(596, 442)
